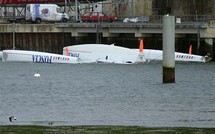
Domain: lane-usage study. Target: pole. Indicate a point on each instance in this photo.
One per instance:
(168, 49)
(198, 40)
(65, 3)
(98, 39)
(132, 8)
(76, 10)
(14, 35)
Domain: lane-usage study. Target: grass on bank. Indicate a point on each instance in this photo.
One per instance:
(17, 129)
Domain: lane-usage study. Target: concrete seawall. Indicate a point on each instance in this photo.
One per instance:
(53, 37)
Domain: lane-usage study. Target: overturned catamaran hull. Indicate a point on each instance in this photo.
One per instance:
(101, 53)
(115, 54)
(157, 55)
(36, 57)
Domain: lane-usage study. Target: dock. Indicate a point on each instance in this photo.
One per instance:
(52, 37)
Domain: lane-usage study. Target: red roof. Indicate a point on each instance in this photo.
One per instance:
(4, 2)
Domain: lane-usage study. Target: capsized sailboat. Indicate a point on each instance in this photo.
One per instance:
(102, 53)
(89, 53)
(36, 57)
(157, 55)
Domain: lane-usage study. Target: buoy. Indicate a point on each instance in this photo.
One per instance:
(37, 75)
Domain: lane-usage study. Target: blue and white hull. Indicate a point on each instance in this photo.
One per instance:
(36, 57)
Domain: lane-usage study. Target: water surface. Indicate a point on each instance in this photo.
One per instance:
(107, 94)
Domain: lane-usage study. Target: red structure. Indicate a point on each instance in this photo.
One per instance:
(6, 2)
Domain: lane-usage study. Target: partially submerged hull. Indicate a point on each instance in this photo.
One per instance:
(102, 53)
(115, 54)
(95, 53)
(36, 57)
(157, 55)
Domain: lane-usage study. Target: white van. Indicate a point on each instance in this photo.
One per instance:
(45, 12)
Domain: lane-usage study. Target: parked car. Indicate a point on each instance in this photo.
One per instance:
(139, 19)
(97, 17)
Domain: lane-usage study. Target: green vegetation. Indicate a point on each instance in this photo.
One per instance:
(17, 129)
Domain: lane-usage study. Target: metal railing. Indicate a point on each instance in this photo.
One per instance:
(179, 19)
(158, 19)
(186, 19)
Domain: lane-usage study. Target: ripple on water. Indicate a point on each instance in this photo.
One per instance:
(107, 94)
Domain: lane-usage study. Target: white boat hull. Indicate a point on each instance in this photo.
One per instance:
(115, 54)
(36, 57)
(102, 53)
(157, 55)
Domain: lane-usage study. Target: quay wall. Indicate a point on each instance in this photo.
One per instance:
(53, 37)
(45, 42)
